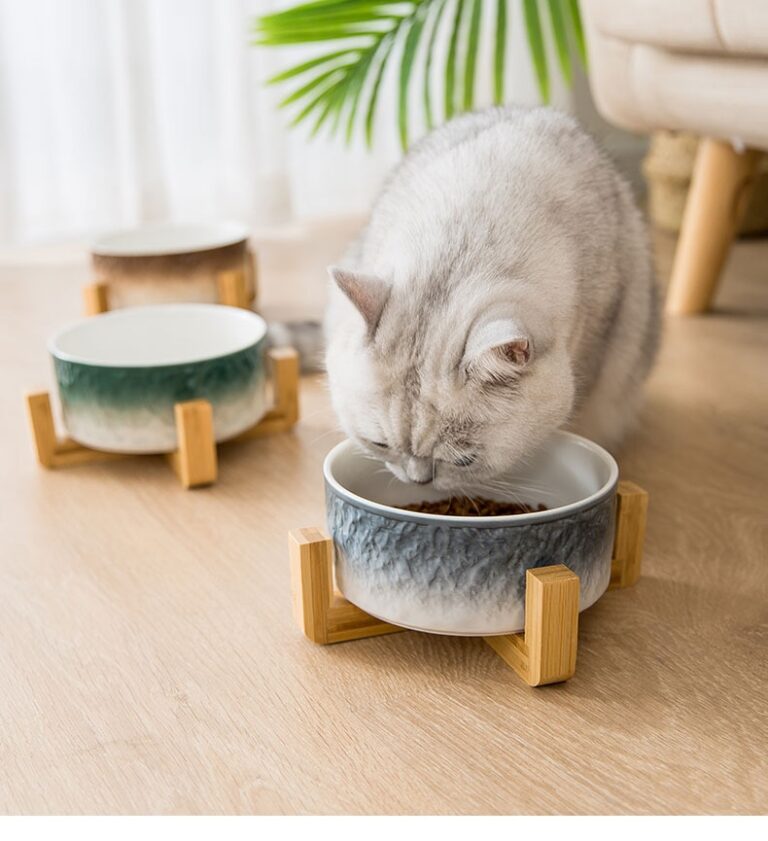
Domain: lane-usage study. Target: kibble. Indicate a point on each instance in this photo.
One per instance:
(476, 506)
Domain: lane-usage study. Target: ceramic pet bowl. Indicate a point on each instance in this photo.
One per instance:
(466, 575)
(120, 374)
(167, 263)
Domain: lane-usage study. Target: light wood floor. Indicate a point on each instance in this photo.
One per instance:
(149, 663)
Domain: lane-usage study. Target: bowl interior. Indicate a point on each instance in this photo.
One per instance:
(151, 240)
(568, 471)
(166, 334)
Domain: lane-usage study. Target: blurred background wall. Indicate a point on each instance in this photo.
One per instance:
(115, 112)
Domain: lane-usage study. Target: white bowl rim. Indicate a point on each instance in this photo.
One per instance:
(127, 312)
(606, 490)
(219, 235)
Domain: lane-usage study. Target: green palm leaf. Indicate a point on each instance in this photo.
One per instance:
(341, 86)
(415, 28)
(500, 51)
(451, 61)
(301, 93)
(300, 69)
(436, 18)
(557, 16)
(470, 58)
(536, 44)
(385, 48)
(578, 30)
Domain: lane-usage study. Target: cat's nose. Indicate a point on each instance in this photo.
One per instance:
(419, 470)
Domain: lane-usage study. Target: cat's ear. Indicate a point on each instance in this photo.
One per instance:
(498, 351)
(367, 292)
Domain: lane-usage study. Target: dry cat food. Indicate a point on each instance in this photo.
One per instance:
(476, 506)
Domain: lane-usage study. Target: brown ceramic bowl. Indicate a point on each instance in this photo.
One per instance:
(160, 264)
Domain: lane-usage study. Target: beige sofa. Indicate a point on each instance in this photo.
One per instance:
(691, 65)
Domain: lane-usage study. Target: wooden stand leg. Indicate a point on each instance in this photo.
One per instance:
(720, 190)
(285, 384)
(284, 413)
(631, 516)
(546, 652)
(232, 288)
(195, 460)
(52, 451)
(95, 298)
(252, 277)
(324, 616)
(43, 430)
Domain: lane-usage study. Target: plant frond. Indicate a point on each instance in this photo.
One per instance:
(578, 30)
(500, 51)
(299, 69)
(413, 34)
(301, 92)
(385, 48)
(436, 18)
(470, 55)
(451, 61)
(340, 87)
(560, 32)
(536, 44)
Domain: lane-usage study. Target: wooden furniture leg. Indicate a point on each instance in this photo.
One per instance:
(546, 651)
(195, 460)
(631, 517)
(324, 615)
(720, 190)
(95, 298)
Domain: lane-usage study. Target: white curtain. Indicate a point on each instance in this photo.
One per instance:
(115, 112)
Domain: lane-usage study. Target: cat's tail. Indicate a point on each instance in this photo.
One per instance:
(305, 336)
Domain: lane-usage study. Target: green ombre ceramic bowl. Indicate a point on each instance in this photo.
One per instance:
(120, 374)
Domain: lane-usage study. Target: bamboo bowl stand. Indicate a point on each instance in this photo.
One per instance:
(231, 287)
(544, 653)
(195, 461)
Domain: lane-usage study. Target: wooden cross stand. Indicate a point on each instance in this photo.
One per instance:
(195, 460)
(544, 653)
(231, 290)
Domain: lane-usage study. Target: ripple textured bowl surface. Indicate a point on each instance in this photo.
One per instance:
(120, 374)
(466, 575)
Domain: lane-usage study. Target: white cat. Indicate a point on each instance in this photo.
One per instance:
(503, 288)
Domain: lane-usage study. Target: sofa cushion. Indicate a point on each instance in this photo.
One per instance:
(725, 27)
(642, 88)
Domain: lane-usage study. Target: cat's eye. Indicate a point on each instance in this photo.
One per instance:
(380, 444)
(465, 461)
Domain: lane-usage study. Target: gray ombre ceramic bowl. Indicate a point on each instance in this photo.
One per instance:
(466, 575)
(120, 374)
